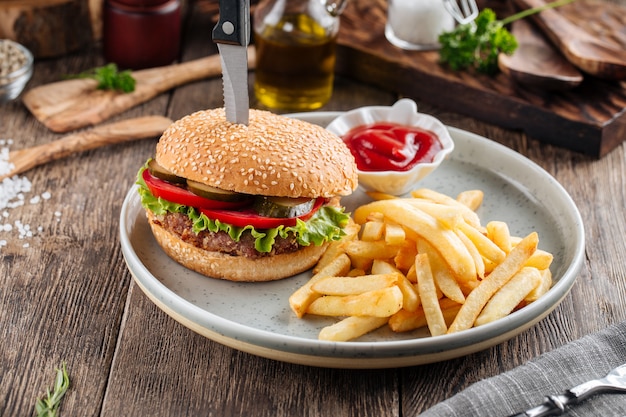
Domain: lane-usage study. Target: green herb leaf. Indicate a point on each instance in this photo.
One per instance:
(48, 405)
(110, 78)
(476, 45)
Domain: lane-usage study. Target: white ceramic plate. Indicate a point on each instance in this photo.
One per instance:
(256, 318)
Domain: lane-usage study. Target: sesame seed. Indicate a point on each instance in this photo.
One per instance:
(253, 157)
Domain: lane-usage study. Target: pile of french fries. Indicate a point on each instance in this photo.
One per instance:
(424, 260)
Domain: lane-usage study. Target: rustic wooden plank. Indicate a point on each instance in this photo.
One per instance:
(590, 119)
(62, 297)
(68, 296)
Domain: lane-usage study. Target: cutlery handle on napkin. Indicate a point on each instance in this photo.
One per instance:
(553, 405)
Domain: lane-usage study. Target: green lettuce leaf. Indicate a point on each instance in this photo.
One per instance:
(326, 224)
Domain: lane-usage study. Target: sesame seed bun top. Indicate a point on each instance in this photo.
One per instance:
(273, 155)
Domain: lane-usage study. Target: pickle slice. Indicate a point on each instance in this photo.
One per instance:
(158, 171)
(213, 193)
(283, 207)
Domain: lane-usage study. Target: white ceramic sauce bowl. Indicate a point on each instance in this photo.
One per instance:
(403, 112)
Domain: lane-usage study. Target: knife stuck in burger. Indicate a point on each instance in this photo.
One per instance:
(255, 202)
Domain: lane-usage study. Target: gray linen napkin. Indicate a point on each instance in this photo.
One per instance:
(524, 387)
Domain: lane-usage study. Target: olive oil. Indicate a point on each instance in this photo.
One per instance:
(295, 64)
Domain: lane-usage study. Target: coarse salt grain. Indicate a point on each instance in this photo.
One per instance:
(13, 192)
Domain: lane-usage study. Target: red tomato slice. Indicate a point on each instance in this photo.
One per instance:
(171, 192)
(243, 218)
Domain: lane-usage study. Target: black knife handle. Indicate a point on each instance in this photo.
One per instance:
(233, 26)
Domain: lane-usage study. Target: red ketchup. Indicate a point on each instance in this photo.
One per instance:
(387, 146)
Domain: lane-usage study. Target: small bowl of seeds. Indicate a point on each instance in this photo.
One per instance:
(16, 68)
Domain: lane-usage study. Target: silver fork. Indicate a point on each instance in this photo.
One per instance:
(555, 405)
(463, 11)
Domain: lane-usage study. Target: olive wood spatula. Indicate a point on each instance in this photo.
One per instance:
(106, 134)
(68, 105)
(536, 62)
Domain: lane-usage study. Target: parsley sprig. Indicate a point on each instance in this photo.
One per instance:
(476, 45)
(48, 405)
(110, 78)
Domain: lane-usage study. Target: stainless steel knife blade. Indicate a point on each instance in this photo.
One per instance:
(232, 35)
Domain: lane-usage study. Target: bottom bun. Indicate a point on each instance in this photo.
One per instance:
(235, 268)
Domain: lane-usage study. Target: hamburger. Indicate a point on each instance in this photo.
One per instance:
(256, 202)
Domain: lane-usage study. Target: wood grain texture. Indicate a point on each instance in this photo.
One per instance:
(69, 296)
(590, 119)
(536, 63)
(589, 53)
(48, 28)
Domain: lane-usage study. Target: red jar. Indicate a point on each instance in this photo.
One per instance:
(142, 35)
(141, 3)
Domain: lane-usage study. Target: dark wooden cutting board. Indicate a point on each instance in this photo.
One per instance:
(590, 119)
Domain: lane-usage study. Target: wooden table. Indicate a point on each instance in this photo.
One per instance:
(66, 294)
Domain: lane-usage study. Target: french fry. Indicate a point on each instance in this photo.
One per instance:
(384, 267)
(394, 234)
(423, 261)
(411, 275)
(371, 250)
(410, 300)
(405, 258)
(489, 266)
(542, 288)
(404, 321)
(444, 280)
(486, 247)
(356, 272)
(509, 296)
(378, 303)
(540, 259)
(351, 328)
(375, 217)
(303, 296)
(372, 231)
(478, 298)
(410, 297)
(498, 233)
(475, 254)
(355, 285)
(428, 296)
(363, 253)
(449, 216)
(444, 240)
(336, 247)
(471, 198)
(468, 214)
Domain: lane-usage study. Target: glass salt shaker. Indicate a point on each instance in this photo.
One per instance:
(417, 24)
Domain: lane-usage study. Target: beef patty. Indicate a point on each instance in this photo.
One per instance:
(181, 225)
